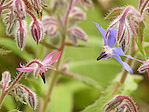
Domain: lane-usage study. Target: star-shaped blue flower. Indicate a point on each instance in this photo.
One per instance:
(110, 50)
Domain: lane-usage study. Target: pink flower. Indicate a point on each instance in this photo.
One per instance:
(40, 67)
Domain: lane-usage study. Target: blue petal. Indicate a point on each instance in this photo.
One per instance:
(125, 65)
(112, 37)
(119, 51)
(102, 31)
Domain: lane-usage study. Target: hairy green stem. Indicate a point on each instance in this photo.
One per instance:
(54, 77)
(55, 74)
(129, 62)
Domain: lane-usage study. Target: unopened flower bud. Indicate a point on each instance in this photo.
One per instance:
(19, 9)
(31, 98)
(77, 15)
(6, 78)
(37, 6)
(21, 35)
(65, 66)
(117, 100)
(50, 26)
(76, 32)
(117, 103)
(86, 3)
(144, 67)
(36, 31)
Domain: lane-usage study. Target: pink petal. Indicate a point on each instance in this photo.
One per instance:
(48, 58)
(25, 69)
(55, 58)
(22, 65)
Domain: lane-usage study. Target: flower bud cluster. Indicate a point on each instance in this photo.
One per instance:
(21, 92)
(119, 104)
(25, 95)
(126, 21)
(67, 24)
(15, 19)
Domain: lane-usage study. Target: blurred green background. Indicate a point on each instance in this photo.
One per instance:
(71, 95)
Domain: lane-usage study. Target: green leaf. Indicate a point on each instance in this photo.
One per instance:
(114, 12)
(10, 44)
(86, 80)
(9, 103)
(125, 89)
(4, 52)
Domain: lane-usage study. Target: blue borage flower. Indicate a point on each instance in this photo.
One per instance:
(109, 50)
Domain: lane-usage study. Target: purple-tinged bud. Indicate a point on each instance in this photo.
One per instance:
(21, 34)
(122, 107)
(19, 9)
(10, 21)
(37, 6)
(36, 30)
(30, 96)
(65, 66)
(86, 3)
(50, 26)
(77, 15)
(117, 101)
(76, 32)
(6, 78)
(144, 67)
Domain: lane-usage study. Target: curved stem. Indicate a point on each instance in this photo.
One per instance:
(67, 14)
(31, 14)
(130, 100)
(54, 77)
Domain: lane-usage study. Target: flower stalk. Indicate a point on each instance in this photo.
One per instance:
(55, 74)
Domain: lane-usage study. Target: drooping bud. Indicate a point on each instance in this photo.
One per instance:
(123, 106)
(65, 66)
(144, 67)
(117, 102)
(10, 21)
(37, 6)
(86, 3)
(19, 9)
(76, 32)
(21, 34)
(50, 26)
(29, 95)
(36, 30)
(6, 78)
(76, 15)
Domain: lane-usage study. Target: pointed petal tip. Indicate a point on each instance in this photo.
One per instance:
(99, 58)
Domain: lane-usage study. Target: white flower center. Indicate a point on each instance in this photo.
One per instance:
(108, 50)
